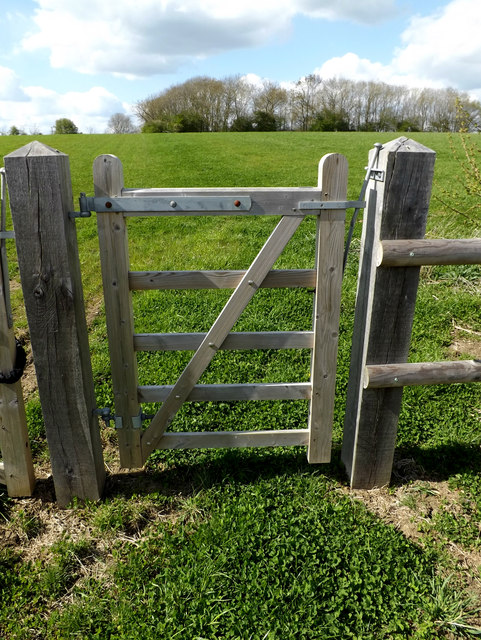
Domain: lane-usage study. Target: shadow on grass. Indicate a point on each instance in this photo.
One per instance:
(187, 473)
(230, 466)
(435, 463)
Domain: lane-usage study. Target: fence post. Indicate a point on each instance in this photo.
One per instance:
(38, 179)
(16, 471)
(397, 207)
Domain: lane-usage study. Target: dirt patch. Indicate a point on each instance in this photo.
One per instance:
(466, 342)
(411, 509)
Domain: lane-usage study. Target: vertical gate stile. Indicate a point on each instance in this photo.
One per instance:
(114, 257)
(333, 170)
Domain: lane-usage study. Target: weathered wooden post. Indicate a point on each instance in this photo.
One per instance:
(397, 207)
(38, 179)
(16, 470)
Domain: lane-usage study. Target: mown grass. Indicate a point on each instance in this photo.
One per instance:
(252, 544)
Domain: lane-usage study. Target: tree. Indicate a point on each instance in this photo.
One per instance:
(305, 100)
(330, 120)
(120, 123)
(264, 121)
(242, 123)
(64, 125)
(15, 131)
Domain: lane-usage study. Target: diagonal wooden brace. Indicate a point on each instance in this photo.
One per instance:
(236, 304)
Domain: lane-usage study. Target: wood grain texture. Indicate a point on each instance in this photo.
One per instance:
(233, 439)
(17, 467)
(39, 185)
(160, 280)
(234, 340)
(114, 260)
(415, 253)
(396, 210)
(14, 443)
(327, 304)
(231, 392)
(378, 376)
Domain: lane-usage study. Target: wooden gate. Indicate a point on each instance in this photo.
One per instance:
(114, 204)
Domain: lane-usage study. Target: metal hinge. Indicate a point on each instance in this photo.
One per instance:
(162, 205)
(85, 211)
(107, 416)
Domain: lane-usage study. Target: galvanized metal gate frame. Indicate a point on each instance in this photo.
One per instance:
(114, 204)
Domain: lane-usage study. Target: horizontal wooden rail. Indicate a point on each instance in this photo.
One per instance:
(236, 340)
(161, 280)
(231, 392)
(378, 376)
(237, 439)
(415, 253)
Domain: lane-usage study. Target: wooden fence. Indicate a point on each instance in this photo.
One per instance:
(392, 251)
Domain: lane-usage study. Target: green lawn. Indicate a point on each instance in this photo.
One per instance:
(256, 544)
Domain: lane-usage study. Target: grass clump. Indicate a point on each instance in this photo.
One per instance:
(281, 557)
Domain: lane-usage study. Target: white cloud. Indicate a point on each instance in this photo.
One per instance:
(42, 107)
(444, 47)
(151, 36)
(439, 50)
(10, 87)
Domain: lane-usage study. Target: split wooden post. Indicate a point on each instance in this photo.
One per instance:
(397, 207)
(16, 470)
(114, 260)
(38, 179)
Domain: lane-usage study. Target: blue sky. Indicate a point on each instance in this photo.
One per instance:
(88, 59)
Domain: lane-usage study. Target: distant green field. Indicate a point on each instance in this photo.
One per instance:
(256, 544)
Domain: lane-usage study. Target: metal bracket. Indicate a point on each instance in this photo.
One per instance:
(376, 174)
(107, 416)
(312, 205)
(151, 204)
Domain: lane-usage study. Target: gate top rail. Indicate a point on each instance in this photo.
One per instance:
(235, 201)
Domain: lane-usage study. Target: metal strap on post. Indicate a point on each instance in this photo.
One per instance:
(185, 205)
(371, 174)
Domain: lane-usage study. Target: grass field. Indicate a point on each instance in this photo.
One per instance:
(256, 544)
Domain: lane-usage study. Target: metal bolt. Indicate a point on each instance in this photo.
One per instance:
(237, 203)
(173, 204)
(396, 379)
(411, 253)
(108, 205)
(251, 282)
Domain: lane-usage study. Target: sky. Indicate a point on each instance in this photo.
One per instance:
(88, 59)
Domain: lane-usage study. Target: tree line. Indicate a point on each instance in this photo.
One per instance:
(310, 104)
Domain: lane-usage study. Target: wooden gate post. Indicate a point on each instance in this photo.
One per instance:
(38, 179)
(397, 208)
